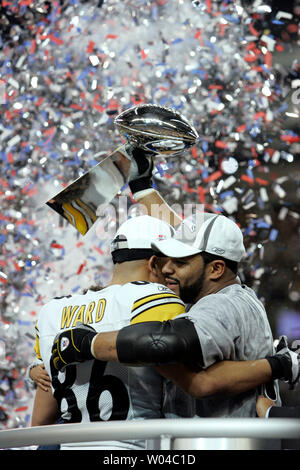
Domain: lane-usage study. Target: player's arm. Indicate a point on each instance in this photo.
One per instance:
(45, 408)
(226, 377)
(174, 346)
(157, 207)
(171, 342)
(141, 186)
(266, 408)
(36, 372)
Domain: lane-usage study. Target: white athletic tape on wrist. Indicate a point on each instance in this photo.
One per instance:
(122, 149)
(143, 193)
(92, 346)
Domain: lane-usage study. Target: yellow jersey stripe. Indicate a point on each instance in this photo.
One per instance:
(79, 220)
(161, 313)
(149, 298)
(88, 209)
(37, 348)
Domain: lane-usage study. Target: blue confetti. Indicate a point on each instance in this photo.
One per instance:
(176, 41)
(75, 289)
(232, 19)
(262, 224)
(226, 194)
(273, 235)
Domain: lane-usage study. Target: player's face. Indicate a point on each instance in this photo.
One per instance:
(185, 276)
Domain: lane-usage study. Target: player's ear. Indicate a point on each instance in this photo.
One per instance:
(152, 265)
(216, 269)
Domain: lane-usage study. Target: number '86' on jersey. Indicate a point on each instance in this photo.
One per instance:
(96, 390)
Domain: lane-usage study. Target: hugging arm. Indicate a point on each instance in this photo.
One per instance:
(165, 344)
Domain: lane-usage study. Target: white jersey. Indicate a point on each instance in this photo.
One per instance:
(101, 391)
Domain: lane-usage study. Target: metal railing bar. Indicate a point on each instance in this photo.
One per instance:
(275, 428)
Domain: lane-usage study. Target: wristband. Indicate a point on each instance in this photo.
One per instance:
(92, 346)
(140, 184)
(268, 411)
(143, 193)
(278, 367)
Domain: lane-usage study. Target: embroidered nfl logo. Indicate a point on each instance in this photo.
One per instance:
(64, 343)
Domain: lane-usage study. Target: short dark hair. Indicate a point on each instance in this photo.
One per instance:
(208, 258)
(131, 254)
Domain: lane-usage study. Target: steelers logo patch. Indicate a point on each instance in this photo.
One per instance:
(64, 343)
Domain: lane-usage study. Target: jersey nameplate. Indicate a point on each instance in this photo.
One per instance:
(87, 314)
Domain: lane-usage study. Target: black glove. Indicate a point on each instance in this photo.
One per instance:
(142, 164)
(73, 346)
(285, 364)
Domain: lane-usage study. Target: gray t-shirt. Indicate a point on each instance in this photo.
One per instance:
(232, 325)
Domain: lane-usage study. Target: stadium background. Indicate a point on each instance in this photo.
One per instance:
(67, 68)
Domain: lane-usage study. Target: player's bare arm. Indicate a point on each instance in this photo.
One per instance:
(156, 206)
(226, 377)
(161, 344)
(45, 409)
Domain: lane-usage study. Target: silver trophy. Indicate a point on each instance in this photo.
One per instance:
(156, 129)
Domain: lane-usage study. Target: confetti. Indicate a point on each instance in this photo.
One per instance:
(63, 78)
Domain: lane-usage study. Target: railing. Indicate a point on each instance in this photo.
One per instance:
(161, 434)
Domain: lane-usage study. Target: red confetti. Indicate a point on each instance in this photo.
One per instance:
(247, 179)
(261, 181)
(56, 245)
(194, 152)
(214, 176)
(90, 47)
(33, 47)
(253, 30)
(260, 114)
(17, 267)
(290, 138)
(201, 194)
(208, 5)
(21, 408)
(39, 101)
(222, 28)
(99, 250)
(250, 58)
(76, 106)
(111, 36)
(220, 144)
(268, 59)
(55, 39)
(81, 267)
(198, 35)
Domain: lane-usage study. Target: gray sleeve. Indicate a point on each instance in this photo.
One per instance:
(216, 325)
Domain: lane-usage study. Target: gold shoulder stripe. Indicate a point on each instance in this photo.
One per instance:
(37, 348)
(161, 313)
(87, 209)
(76, 218)
(149, 298)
